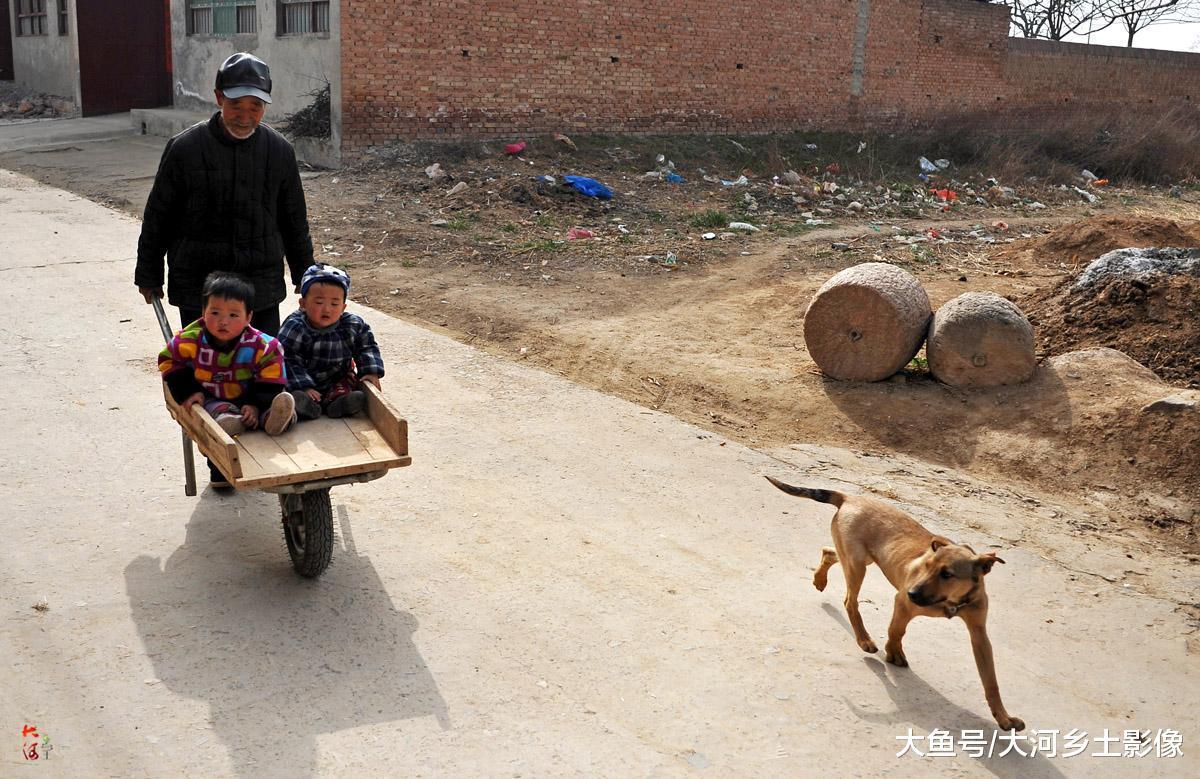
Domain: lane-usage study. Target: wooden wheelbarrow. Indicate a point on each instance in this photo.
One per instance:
(300, 466)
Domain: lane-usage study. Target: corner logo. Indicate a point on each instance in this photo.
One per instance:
(33, 746)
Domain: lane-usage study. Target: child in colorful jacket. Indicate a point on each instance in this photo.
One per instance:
(236, 372)
(328, 350)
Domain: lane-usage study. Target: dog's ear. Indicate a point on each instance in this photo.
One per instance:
(939, 542)
(986, 560)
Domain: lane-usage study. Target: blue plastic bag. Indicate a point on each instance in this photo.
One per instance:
(673, 178)
(589, 187)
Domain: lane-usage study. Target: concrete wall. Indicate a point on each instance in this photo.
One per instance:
(299, 64)
(47, 63)
(479, 68)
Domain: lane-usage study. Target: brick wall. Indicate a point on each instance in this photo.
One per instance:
(1072, 77)
(479, 68)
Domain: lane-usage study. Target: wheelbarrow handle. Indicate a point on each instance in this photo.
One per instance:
(163, 324)
(189, 466)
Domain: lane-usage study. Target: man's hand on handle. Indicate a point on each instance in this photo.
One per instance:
(150, 293)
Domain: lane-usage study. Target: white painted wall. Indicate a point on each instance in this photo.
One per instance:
(299, 64)
(47, 63)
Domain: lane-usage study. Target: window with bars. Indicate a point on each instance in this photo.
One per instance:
(31, 17)
(301, 17)
(222, 17)
(62, 16)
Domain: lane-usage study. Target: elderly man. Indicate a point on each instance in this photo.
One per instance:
(227, 197)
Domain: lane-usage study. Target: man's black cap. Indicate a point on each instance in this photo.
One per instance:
(244, 75)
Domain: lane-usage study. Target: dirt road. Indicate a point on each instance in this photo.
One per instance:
(714, 339)
(563, 583)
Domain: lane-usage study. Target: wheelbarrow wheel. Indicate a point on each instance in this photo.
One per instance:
(308, 531)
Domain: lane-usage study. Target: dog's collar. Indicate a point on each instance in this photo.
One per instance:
(953, 609)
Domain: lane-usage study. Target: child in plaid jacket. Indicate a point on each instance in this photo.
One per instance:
(328, 351)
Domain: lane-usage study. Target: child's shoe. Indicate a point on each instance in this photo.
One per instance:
(232, 424)
(347, 405)
(306, 407)
(281, 415)
(217, 480)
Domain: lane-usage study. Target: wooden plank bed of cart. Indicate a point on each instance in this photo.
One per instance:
(303, 464)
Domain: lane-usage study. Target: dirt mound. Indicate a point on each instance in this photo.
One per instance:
(1156, 321)
(1086, 240)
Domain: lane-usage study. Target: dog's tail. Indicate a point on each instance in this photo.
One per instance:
(821, 496)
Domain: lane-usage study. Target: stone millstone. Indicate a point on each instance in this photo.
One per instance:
(866, 322)
(979, 339)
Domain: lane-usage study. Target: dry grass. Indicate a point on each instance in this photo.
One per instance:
(1135, 148)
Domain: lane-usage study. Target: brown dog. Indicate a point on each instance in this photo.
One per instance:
(933, 578)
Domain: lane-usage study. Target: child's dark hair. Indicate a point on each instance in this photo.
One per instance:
(229, 286)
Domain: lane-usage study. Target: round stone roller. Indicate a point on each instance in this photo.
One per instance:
(980, 339)
(867, 322)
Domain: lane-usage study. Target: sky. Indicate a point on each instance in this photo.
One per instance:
(1174, 37)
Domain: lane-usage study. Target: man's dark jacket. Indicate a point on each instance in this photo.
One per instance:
(223, 204)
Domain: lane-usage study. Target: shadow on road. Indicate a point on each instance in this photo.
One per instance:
(280, 660)
(930, 420)
(921, 707)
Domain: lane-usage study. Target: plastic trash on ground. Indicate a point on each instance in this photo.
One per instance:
(435, 171)
(673, 178)
(515, 148)
(942, 164)
(927, 166)
(579, 233)
(589, 187)
(740, 181)
(565, 141)
(744, 227)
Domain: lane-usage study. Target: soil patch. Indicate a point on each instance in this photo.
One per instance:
(1155, 320)
(1086, 240)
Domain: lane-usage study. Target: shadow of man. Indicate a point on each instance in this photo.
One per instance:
(279, 659)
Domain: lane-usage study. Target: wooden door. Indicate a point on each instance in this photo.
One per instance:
(6, 61)
(124, 55)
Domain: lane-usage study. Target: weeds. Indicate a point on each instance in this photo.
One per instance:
(793, 228)
(542, 245)
(711, 218)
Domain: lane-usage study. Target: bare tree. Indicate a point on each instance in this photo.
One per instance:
(1056, 19)
(1137, 15)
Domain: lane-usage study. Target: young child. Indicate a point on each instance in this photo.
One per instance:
(328, 351)
(234, 371)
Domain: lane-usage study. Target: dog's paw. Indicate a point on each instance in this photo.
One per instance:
(868, 646)
(896, 657)
(819, 581)
(1012, 723)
